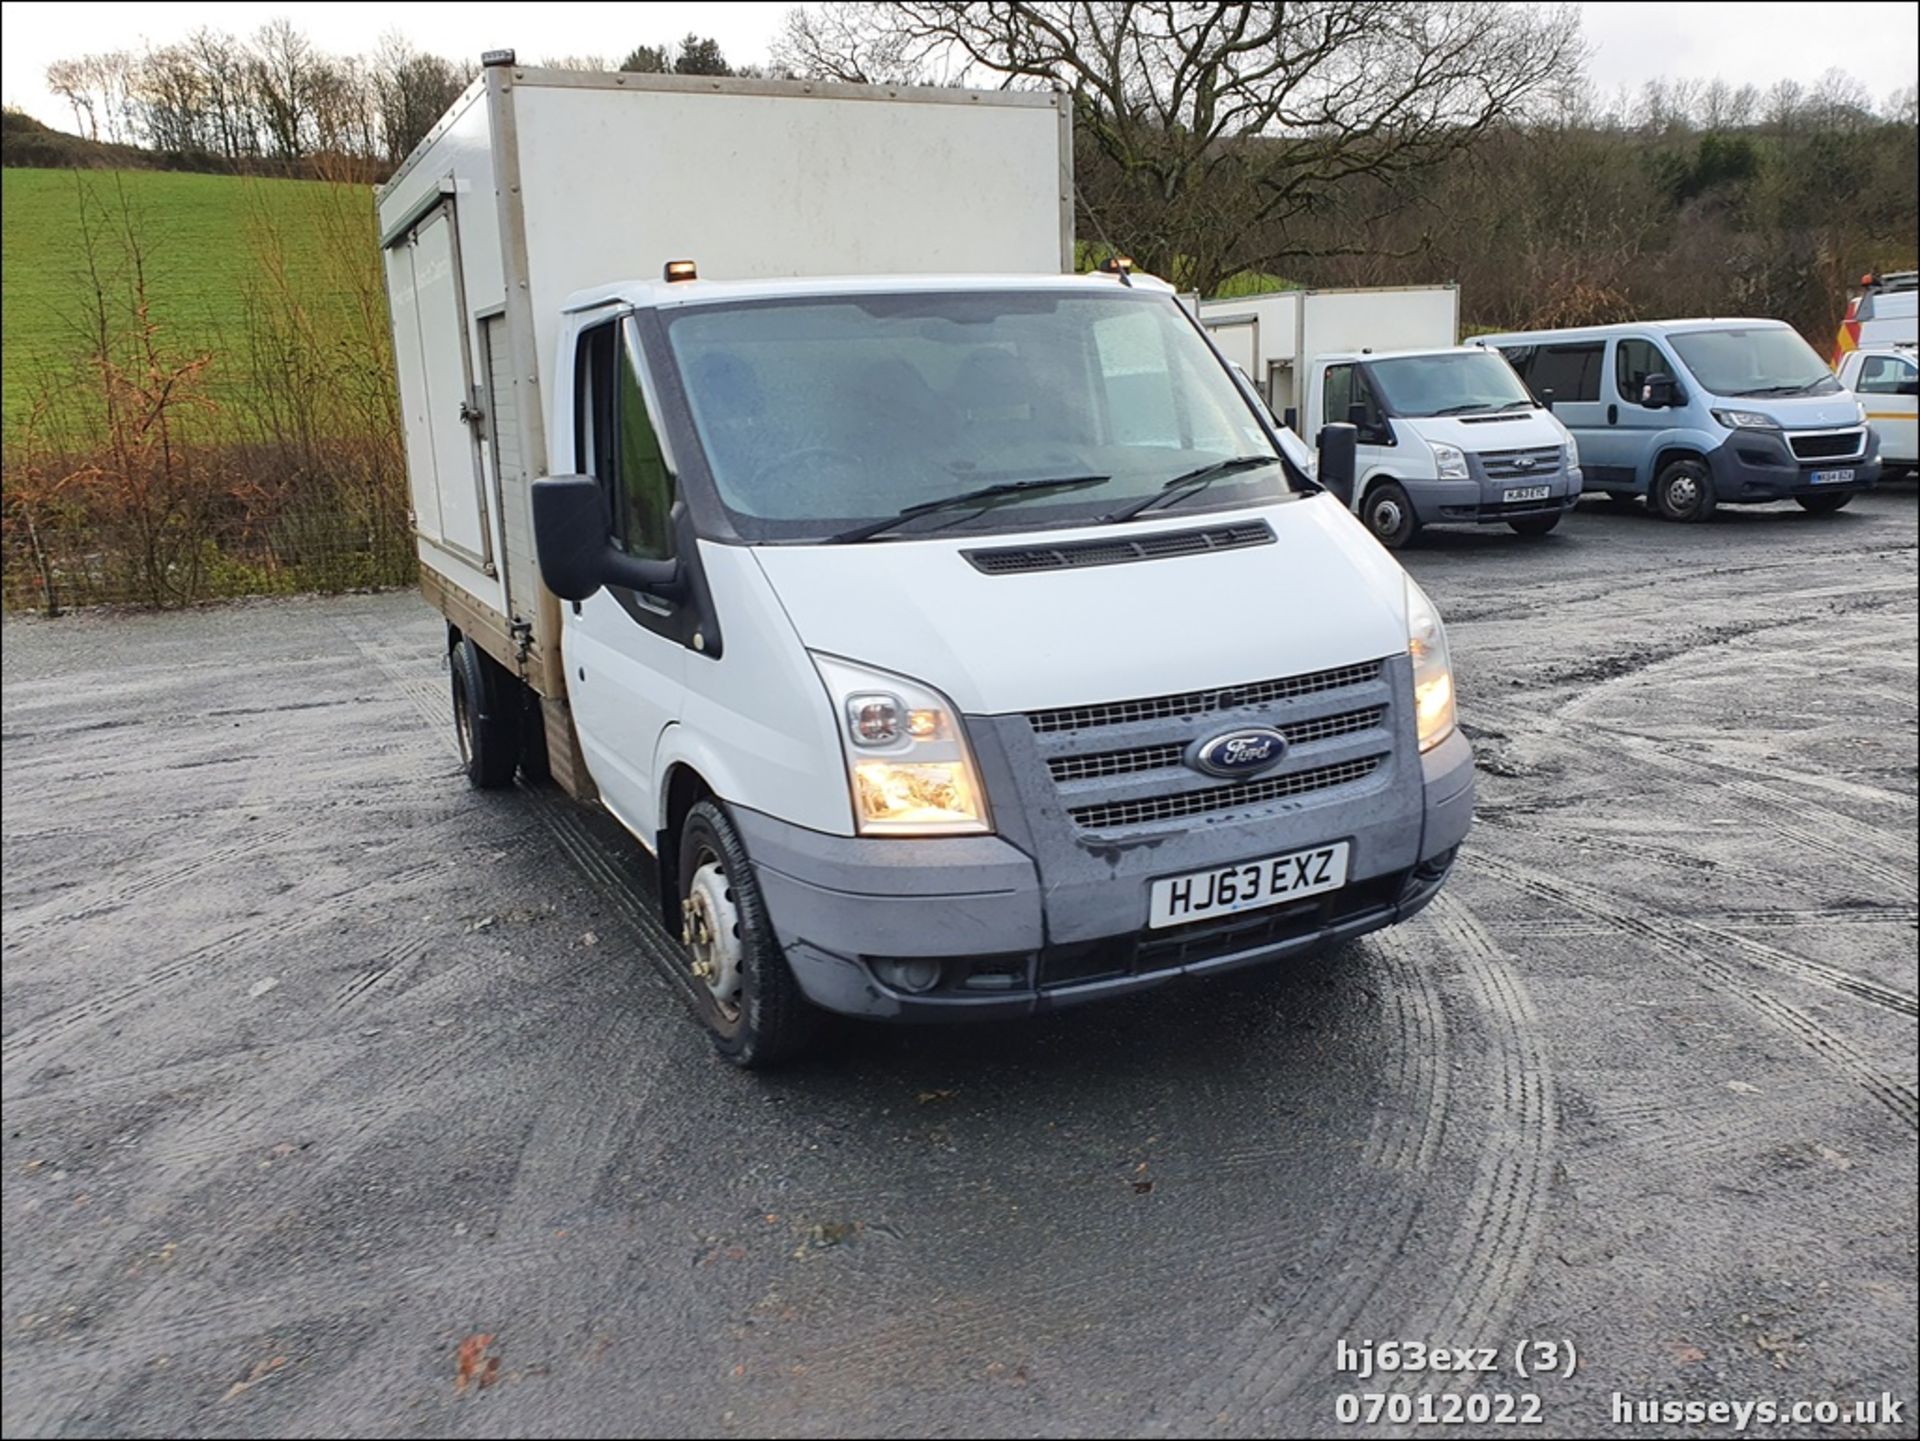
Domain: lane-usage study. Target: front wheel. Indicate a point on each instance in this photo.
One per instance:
(1389, 515)
(1684, 491)
(746, 993)
(1535, 524)
(1823, 504)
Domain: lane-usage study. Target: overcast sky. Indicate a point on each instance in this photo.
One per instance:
(1632, 43)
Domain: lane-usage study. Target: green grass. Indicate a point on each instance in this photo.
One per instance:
(1253, 282)
(202, 238)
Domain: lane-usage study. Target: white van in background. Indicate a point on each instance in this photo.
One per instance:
(1887, 380)
(1445, 437)
(1885, 312)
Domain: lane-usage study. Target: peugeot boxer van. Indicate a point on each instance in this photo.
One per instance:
(1697, 413)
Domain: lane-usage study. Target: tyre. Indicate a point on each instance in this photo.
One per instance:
(486, 716)
(1535, 524)
(1389, 515)
(746, 993)
(1823, 504)
(1683, 491)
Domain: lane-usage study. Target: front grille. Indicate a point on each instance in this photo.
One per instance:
(1117, 815)
(1014, 560)
(1829, 445)
(1520, 464)
(1201, 702)
(1165, 756)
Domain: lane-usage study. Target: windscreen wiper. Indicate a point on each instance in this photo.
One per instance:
(1188, 482)
(1798, 389)
(986, 497)
(1468, 409)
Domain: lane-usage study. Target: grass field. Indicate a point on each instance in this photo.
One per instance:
(205, 238)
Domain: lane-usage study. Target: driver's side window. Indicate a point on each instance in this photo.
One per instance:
(1633, 362)
(615, 442)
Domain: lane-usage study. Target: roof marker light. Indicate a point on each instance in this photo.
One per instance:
(680, 270)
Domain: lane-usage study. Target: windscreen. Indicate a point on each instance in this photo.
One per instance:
(1754, 360)
(1455, 382)
(817, 415)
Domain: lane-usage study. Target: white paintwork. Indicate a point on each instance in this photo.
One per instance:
(1325, 595)
(1893, 416)
(460, 156)
(618, 182)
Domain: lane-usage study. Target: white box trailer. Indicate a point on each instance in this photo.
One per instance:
(540, 183)
(1273, 337)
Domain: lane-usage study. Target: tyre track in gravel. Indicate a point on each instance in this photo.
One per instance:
(1281, 1350)
(1894, 1094)
(1819, 973)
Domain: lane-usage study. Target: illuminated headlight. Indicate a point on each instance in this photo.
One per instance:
(1745, 420)
(1451, 460)
(1432, 670)
(908, 764)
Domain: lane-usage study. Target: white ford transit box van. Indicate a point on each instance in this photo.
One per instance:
(956, 644)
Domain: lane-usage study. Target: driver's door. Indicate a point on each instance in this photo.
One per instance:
(626, 669)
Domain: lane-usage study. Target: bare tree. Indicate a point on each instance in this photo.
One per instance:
(232, 128)
(72, 81)
(1218, 124)
(172, 95)
(283, 66)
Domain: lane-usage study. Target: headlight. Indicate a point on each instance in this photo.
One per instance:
(1573, 453)
(1432, 670)
(1451, 460)
(1745, 420)
(1859, 412)
(908, 764)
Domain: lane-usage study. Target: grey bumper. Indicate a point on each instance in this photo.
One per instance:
(1481, 499)
(982, 907)
(1759, 465)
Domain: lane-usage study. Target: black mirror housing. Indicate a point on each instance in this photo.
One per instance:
(1659, 392)
(1337, 459)
(576, 556)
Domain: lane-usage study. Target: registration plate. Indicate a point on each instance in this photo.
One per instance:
(1832, 477)
(1248, 886)
(1527, 492)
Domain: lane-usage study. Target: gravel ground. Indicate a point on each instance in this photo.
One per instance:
(319, 1066)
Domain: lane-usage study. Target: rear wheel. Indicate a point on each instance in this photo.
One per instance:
(1684, 491)
(746, 993)
(486, 716)
(1389, 515)
(1823, 504)
(1535, 524)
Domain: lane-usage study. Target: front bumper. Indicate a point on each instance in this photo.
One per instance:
(1015, 940)
(1754, 466)
(1481, 499)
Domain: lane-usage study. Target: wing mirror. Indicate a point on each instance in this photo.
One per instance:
(577, 556)
(1659, 392)
(1336, 467)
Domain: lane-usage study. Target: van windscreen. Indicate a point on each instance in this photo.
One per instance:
(1452, 382)
(1753, 360)
(816, 414)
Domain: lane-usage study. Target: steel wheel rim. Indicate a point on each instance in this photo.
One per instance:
(1386, 516)
(1683, 492)
(463, 722)
(711, 930)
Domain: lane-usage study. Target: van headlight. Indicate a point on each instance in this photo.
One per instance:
(1451, 459)
(1573, 453)
(909, 767)
(1432, 669)
(1745, 420)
